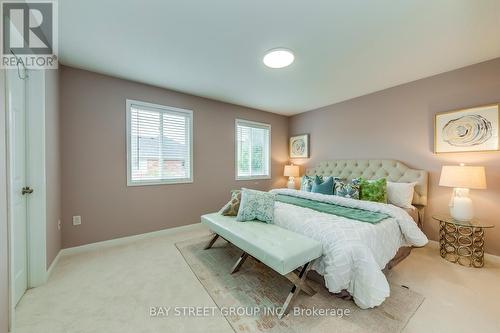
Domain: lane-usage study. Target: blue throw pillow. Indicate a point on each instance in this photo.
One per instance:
(256, 205)
(323, 187)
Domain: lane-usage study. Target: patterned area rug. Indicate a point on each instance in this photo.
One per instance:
(250, 298)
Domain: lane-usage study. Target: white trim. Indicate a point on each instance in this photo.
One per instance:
(125, 240)
(12, 303)
(252, 177)
(4, 207)
(165, 109)
(159, 182)
(255, 125)
(36, 178)
(53, 264)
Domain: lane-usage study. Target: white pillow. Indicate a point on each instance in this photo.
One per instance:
(400, 194)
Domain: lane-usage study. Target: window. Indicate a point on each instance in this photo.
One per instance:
(253, 142)
(159, 144)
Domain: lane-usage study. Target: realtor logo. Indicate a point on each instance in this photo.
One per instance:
(29, 34)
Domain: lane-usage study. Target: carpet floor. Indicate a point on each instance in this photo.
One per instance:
(251, 298)
(111, 288)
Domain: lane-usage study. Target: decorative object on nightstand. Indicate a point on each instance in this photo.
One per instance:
(462, 178)
(461, 242)
(291, 171)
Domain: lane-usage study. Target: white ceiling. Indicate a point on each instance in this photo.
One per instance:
(214, 49)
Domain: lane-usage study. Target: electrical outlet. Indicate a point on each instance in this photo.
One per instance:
(58, 224)
(77, 220)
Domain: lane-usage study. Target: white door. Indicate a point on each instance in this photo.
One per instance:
(16, 108)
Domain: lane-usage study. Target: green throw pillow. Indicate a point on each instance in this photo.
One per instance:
(373, 190)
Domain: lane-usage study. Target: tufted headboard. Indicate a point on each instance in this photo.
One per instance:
(394, 171)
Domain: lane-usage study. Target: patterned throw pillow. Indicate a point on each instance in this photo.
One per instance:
(306, 183)
(256, 205)
(323, 186)
(347, 189)
(373, 190)
(232, 207)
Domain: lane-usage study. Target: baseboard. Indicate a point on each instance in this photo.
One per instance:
(127, 239)
(487, 256)
(53, 264)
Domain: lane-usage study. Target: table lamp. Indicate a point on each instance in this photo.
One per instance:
(462, 178)
(291, 171)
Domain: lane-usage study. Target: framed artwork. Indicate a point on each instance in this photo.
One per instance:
(474, 129)
(299, 146)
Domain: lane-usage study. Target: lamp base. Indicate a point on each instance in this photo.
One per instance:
(291, 183)
(461, 208)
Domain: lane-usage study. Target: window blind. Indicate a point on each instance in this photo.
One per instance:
(159, 144)
(252, 150)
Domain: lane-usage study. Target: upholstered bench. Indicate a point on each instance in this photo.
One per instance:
(280, 249)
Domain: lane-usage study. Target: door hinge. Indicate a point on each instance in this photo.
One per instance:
(27, 190)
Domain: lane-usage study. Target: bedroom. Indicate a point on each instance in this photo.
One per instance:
(99, 236)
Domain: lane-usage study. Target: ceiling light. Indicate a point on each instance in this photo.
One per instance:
(278, 58)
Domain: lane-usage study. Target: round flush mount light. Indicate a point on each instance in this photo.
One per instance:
(278, 58)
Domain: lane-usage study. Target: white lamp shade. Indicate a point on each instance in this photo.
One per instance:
(472, 177)
(291, 171)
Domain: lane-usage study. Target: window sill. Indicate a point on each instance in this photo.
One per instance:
(254, 178)
(162, 182)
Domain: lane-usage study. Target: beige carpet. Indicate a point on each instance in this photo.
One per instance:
(248, 297)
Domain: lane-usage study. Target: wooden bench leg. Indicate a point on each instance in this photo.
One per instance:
(297, 287)
(240, 262)
(211, 242)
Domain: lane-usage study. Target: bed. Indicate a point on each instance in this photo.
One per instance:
(356, 253)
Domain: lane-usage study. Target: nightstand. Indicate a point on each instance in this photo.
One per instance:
(461, 242)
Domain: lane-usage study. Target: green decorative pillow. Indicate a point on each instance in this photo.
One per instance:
(306, 183)
(373, 190)
(347, 189)
(256, 205)
(233, 206)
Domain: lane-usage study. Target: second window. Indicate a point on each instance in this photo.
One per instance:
(253, 142)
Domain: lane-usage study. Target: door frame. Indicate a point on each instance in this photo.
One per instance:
(7, 314)
(35, 177)
(35, 164)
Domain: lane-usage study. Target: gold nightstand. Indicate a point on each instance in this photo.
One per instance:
(461, 242)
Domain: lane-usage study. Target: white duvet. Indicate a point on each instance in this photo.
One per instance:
(354, 252)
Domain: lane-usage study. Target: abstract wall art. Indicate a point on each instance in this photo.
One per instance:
(474, 129)
(299, 146)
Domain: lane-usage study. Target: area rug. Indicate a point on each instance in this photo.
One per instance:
(251, 298)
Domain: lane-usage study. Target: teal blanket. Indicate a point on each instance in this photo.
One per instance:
(323, 207)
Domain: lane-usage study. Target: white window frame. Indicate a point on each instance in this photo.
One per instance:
(166, 109)
(251, 124)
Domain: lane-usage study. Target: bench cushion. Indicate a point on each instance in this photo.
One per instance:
(280, 249)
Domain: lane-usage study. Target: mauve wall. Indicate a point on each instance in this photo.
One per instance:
(397, 123)
(93, 152)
